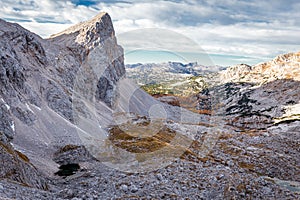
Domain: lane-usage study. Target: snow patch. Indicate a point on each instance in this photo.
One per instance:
(292, 110)
(7, 106)
(29, 108)
(18, 148)
(12, 145)
(36, 106)
(13, 126)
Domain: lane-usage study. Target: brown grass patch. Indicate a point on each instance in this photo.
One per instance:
(245, 165)
(226, 136)
(68, 147)
(229, 149)
(22, 156)
(191, 156)
(141, 145)
(6, 148)
(241, 187)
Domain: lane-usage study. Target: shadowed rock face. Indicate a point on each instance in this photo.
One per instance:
(38, 74)
(262, 95)
(250, 107)
(6, 122)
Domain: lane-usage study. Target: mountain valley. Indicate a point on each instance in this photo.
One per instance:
(74, 125)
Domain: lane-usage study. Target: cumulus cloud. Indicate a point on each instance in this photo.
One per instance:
(253, 28)
(45, 17)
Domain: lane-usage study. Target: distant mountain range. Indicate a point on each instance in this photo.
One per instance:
(152, 73)
(177, 67)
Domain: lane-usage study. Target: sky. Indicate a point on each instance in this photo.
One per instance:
(226, 31)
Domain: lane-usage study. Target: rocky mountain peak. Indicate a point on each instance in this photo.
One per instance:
(284, 66)
(236, 72)
(287, 58)
(89, 33)
(37, 83)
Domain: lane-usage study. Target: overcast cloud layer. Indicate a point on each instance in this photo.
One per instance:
(254, 28)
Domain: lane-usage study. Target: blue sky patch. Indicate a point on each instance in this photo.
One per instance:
(17, 20)
(84, 2)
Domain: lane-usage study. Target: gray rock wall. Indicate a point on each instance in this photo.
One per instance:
(37, 75)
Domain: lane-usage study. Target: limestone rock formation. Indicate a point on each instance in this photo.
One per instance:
(37, 77)
(284, 66)
(259, 96)
(16, 166)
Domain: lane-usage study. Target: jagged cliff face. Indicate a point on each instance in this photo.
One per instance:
(259, 96)
(34, 70)
(93, 40)
(37, 82)
(16, 64)
(284, 66)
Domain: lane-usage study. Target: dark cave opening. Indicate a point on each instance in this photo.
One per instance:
(68, 169)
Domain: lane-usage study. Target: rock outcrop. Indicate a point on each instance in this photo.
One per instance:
(247, 106)
(96, 34)
(284, 66)
(37, 77)
(262, 95)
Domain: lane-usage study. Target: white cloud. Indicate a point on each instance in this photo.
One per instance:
(253, 28)
(45, 17)
(47, 28)
(251, 39)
